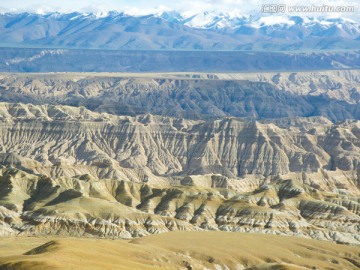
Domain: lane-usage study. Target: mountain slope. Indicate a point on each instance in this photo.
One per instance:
(171, 30)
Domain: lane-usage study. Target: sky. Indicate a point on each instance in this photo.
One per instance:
(148, 6)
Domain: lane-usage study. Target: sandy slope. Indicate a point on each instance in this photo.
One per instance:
(180, 250)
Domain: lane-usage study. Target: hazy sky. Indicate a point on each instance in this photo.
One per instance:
(143, 6)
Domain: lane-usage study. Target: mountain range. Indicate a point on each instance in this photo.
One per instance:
(172, 30)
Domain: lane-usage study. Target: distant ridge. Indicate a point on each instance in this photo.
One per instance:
(17, 59)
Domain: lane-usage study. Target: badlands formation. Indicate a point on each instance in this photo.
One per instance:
(332, 94)
(70, 171)
(127, 156)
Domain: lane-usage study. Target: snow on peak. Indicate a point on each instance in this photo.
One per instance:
(211, 19)
(273, 20)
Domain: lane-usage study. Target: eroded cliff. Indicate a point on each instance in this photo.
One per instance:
(66, 141)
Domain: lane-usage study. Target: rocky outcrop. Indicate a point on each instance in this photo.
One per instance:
(85, 206)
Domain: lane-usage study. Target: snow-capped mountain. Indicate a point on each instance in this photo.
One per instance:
(212, 20)
(236, 20)
(174, 30)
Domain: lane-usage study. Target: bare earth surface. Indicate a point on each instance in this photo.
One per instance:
(179, 250)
